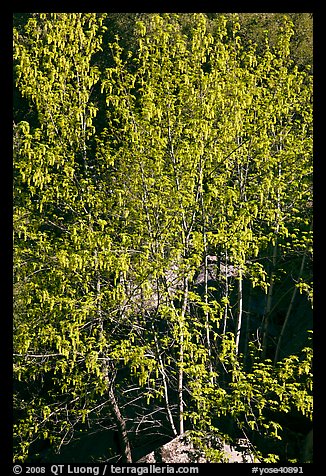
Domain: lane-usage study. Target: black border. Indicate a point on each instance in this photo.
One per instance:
(6, 176)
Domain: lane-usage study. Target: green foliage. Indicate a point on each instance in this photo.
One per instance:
(143, 159)
(251, 397)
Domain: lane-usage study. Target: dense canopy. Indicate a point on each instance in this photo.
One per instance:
(162, 231)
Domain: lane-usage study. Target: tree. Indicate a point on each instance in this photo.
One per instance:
(139, 233)
(62, 244)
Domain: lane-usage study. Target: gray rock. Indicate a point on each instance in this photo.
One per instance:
(182, 450)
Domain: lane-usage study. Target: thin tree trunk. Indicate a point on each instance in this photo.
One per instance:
(226, 293)
(271, 284)
(245, 352)
(208, 339)
(166, 394)
(207, 327)
(180, 385)
(288, 313)
(239, 319)
(181, 351)
(268, 306)
(181, 357)
(121, 427)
